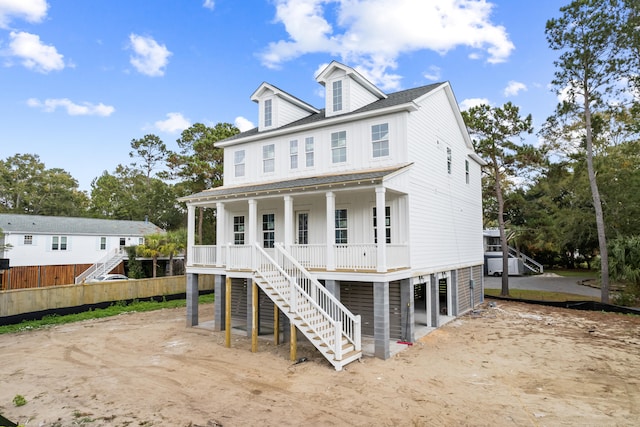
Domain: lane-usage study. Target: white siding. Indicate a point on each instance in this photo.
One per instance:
(359, 96)
(287, 112)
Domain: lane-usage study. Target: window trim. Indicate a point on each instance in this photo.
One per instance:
(27, 240)
(268, 113)
(239, 230)
(387, 225)
(59, 243)
(239, 163)
(102, 244)
(268, 230)
(379, 145)
(336, 95)
(339, 147)
(341, 225)
(293, 154)
(309, 153)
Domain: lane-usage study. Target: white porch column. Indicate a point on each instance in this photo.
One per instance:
(331, 230)
(191, 233)
(288, 222)
(221, 220)
(381, 229)
(253, 221)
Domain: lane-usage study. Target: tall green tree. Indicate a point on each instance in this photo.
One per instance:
(592, 54)
(149, 152)
(497, 137)
(199, 164)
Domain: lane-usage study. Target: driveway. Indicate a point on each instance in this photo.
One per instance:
(545, 282)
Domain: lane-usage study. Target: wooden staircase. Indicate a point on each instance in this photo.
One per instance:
(321, 318)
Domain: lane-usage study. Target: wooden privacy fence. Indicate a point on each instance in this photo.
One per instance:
(38, 276)
(21, 301)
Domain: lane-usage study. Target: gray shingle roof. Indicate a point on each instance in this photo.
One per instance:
(392, 99)
(293, 184)
(38, 224)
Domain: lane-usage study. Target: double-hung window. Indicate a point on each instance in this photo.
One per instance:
(293, 154)
(238, 162)
(268, 113)
(103, 243)
(308, 151)
(28, 240)
(268, 158)
(387, 224)
(268, 230)
(339, 147)
(380, 140)
(337, 95)
(59, 243)
(238, 230)
(341, 226)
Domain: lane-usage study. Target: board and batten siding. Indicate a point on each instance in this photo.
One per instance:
(445, 211)
(358, 298)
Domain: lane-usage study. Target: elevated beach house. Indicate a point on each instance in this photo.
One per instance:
(359, 219)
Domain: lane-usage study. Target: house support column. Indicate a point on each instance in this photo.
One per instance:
(453, 287)
(288, 222)
(407, 310)
(221, 220)
(435, 301)
(333, 286)
(331, 230)
(192, 299)
(276, 325)
(227, 313)
(381, 333)
(250, 308)
(191, 233)
(254, 317)
(381, 230)
(293, 342)
(220, 303)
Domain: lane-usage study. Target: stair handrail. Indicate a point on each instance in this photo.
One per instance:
(525, 259)
(351, 323)
(296, 289)
(96, 268)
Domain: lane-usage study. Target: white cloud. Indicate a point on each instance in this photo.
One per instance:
(513, 88)
(473, 102)
(209, 4)
(433, 74)
(149, 57)
(83, 109)
(373, 33)
(174, 123)
(33, 53)
(243, 124)
(33, 11)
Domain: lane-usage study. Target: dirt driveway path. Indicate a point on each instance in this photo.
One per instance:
(512, 365)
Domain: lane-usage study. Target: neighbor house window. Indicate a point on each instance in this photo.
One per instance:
(238, 230)
(59, 243)
(103, 243)
(387, 224)
(238, 162)
(339, 147)
(268, 230)
(466, 171)
(308, 151)
(268, 158)
(341, 226)
(293, 154)
(337, 95)
(268, 113)
(448, 160)
(28, 240)
(380, 140)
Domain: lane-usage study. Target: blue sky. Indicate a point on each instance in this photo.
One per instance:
(80, 79)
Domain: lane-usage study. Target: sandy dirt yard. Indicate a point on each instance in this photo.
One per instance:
(513, 365)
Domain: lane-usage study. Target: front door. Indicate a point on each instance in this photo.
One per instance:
(302, 228)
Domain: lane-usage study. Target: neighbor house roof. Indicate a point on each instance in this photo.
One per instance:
(372, 175)
(38, 224)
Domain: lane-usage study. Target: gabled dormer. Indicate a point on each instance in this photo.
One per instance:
(276, 108)
(346, 90)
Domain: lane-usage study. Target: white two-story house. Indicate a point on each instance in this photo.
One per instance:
(362, 218)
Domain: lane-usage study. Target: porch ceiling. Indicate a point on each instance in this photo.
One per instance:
(352, 179)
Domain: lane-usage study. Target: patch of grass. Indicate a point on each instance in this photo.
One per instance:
(540, 295)
(119, 307)
(587, 274)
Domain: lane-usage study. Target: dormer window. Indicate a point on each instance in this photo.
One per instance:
(337, 95)
(268, 113)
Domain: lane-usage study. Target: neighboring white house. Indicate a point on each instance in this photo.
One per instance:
(363, 218)
(56, 241)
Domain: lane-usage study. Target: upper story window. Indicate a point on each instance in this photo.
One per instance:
(448, 160)
(339, 147)
(308, 151)
(59, 243)
(103, 243)
(28, 240)
(238, 230)
(238, 162)
(341, 226)
(380, 140)
(387, 224)
(268, 158)
(293, 154)
(268, 230)
(268, 112)
(337, 95)
(466, 171)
